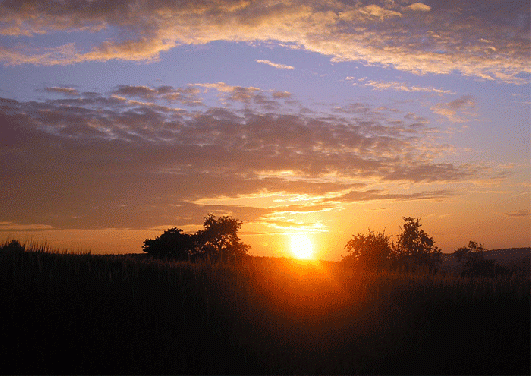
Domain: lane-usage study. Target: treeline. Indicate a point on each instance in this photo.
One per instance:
(415, 251)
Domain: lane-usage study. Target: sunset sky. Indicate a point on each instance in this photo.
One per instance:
(119, 119)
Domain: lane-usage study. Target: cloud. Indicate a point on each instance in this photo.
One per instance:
(281, 94)
(519, 213)
(401, 86)
(107, 161)
(10, 226)
(461, 105)
(378, 194)
(247, 95)
(275, 65)
(477, 39)
(62, 90)
(374, 10)
(420, 7)
(188, 95)
(281, 223)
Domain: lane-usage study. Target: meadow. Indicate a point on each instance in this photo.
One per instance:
(65, 312)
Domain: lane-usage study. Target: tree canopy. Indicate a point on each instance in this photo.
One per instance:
(173, 243)
(369, 252)
(217, 241)
(414, 250)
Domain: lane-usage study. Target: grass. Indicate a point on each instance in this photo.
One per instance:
(81, 313)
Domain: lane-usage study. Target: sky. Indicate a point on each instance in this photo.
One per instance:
(312, 120)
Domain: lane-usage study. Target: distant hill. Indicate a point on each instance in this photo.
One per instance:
(508, 255)
(518, 258)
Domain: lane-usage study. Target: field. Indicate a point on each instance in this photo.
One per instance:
(82, 313)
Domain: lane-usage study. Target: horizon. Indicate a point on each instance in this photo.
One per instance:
(30, 244)
(309, 121)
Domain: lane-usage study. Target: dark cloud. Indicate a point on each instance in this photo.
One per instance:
(188, 95)
(377, 194)
(430, 172)
(519, 213)
(453, 109)
(100, 161)
(459, 103)
(136, 91)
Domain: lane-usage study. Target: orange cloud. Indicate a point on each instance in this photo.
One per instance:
(275, 65)
(401, 86)
(470, 38)
(421, 7)
(62, 90)
(10, 226)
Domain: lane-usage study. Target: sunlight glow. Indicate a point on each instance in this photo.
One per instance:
(301, 246)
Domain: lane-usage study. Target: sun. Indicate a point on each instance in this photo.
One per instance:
(301, 246)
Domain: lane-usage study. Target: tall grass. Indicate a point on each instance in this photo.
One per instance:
(82, 313)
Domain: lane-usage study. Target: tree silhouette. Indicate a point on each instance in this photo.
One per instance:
(470, 254)
(13, 246)
(415, 248)
(173, 243)
(472, 259)
(218, 241)
(368, 252)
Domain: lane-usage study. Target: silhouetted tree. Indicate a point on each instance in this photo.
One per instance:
(173, 243)
(218, 241)
(472, 259)
(415, 248)
(470, 254)
(13, 246)
(368, 252)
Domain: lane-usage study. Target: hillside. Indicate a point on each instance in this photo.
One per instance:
(514, 258)
(508, 255)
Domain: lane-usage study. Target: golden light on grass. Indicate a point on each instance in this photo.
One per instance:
(301, 246)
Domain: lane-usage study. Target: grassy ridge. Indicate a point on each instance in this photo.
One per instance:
(68, 313)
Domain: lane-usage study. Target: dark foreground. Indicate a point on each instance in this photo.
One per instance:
(64, 313)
